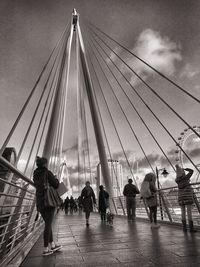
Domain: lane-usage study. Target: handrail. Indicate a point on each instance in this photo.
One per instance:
(16, 211)
(15, 170)
(17, 186)
(168, 210)
(174, 187)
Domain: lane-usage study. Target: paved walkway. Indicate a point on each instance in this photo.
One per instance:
(124, 244)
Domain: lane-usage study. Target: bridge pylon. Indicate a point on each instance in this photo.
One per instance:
(93, 107)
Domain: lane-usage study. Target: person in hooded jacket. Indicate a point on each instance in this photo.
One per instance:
(185, 196)
(39, 175)
(88, 200)
(103, 202)
(151, 201)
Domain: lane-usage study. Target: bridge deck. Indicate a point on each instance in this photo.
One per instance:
(124, 244)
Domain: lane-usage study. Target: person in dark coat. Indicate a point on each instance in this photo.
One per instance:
(185, 196)
(80, 206)
(71, 204)
(151, 201)
(130, 191)
(88, 200)
(103, 202)
(66, 204)
(39, 175)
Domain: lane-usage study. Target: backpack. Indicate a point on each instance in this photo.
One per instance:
(145, 191)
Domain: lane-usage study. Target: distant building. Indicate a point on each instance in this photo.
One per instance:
(116, 173)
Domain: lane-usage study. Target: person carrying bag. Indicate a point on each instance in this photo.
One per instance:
(46, 201)
(51, 195)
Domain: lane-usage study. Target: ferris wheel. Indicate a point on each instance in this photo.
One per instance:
(190, 143)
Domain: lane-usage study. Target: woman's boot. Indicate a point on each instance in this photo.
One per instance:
(184, 225)
(192, 230)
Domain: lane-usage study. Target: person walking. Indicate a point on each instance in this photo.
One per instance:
(185, 196)
(71, 205)
(66, 204)
(40, 174)
(149, 194)
(87, 199)
(130, 191)
(80, 206)
(103, 202)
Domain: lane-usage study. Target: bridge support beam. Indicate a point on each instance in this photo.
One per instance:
(94, 114)
(59, 100)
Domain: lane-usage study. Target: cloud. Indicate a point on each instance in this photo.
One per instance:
(72, 148)
(21, 164)
(194, 153)
(196, 140)
(189, 71)
(153, 158)
(158, 51)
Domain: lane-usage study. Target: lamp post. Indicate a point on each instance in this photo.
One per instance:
(164, 173)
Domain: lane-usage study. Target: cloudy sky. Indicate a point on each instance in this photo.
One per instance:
(164, 33)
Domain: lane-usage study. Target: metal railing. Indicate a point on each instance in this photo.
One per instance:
(17, 211)
(168, 206)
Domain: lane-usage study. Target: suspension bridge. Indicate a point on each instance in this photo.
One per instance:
(121, 109)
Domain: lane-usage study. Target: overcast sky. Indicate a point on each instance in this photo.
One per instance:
(164, 33)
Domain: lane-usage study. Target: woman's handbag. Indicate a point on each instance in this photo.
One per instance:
(51, 196)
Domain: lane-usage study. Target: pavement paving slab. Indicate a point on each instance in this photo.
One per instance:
(125, 243)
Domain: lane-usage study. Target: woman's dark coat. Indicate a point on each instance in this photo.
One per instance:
(152, 200)
(103, 200)
(39, 181)
(185, 191)
(87, 199)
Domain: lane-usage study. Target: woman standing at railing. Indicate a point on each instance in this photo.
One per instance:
(39, 176)
(185, 196)
(148, 192)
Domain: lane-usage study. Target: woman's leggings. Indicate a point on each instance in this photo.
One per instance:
(87, 215)
(47, 215)
(189, 212)
(153, 214)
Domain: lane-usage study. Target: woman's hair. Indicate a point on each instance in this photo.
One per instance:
(150, 177)
(40, 162)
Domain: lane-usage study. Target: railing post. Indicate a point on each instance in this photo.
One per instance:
(159, 196)
(28, 221)
(124, 212)
(165, 206)
(196, 202)
(114, 205)
(13, 219)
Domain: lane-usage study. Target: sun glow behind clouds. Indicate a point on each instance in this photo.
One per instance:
(158, 51)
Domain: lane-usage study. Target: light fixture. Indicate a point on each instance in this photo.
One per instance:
(165, 173)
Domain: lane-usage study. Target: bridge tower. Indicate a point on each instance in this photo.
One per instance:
(64, 77)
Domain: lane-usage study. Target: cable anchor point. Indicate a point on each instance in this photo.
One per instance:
(74, 18)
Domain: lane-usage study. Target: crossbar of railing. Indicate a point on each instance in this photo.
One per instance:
(17, 211)
(175, 187)
(13, 206)
(17, 186)
(15, 170)
(15, 196)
